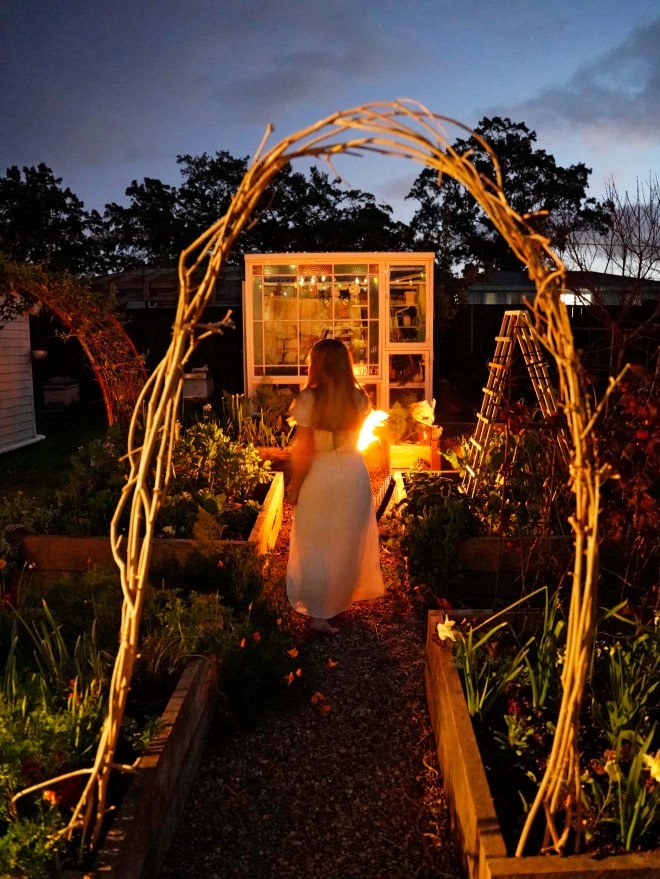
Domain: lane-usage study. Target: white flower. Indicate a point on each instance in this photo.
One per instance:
(613, 771)
(446, 629)
(653, 764)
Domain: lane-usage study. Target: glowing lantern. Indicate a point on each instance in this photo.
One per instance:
(367, 436)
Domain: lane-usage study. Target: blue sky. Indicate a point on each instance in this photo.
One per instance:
(106, 93)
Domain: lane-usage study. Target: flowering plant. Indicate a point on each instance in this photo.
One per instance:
(511, 674)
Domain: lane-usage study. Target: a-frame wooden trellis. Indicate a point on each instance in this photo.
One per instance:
(515, 330)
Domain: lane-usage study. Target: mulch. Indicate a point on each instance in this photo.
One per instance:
(342, 783)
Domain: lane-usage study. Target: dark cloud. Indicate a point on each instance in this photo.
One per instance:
(615, 96)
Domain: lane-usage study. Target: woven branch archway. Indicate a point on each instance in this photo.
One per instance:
(408, 130)
(117, 366)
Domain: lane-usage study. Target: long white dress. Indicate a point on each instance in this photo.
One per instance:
(334, 558)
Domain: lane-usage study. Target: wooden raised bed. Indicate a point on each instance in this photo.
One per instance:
(474, 819)
(52, 555)
(137, 843)
(503, 554)
(403, 456)
(494, 553)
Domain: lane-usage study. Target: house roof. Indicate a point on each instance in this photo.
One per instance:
(505, 286)
(154, 288)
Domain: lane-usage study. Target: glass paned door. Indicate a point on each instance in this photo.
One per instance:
(407, 304)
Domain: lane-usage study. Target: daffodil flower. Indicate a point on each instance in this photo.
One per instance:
(446, 629)
(613, 770)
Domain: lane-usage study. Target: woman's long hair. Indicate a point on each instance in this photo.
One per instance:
(340, 401)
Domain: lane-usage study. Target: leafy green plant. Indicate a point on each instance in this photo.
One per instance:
(433, 516)
(79, 602)
(523, 487)
(179, 627)
(94, 480)
(400, 425)
(484, 677)
(205, 459)
(617, 791)
(542, 668)
(51, 710)
(625, 666)
(260, 420)
(225, 478)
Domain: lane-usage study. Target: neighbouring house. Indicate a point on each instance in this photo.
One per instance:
(148, 299)
(588, 297)
(17, 412)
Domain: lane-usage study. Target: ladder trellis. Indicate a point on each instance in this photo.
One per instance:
(515, 330)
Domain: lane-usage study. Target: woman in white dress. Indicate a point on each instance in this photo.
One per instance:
(333, 554)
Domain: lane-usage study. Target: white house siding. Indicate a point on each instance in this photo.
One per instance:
(17, 421)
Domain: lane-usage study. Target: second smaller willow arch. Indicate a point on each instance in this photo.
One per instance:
(117, 366)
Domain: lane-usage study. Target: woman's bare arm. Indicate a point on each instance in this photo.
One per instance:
(302, 454)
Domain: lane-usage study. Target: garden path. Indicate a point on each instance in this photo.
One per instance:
(345, 786)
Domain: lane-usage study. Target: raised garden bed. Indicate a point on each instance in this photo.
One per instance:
(137, 843)
(476, 825)
(51, 555)
(486, 553)
(403, 456)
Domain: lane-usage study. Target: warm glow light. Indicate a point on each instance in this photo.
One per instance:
(373, 420)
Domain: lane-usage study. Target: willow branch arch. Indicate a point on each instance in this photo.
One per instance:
(406, 129)
(117, 366)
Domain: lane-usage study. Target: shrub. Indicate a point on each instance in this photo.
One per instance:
(210, 472)
(433, 516)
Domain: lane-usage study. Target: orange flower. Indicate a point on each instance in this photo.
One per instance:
(256, 636)
(243, 643)
(290, 678)
(298, 672)
(51, 797)
(292, 653)
(331, 663)
(317, 697)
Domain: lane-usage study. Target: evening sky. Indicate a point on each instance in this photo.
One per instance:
(108, 92)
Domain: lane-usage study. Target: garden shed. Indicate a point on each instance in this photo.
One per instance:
(379, 304)
(17, 411)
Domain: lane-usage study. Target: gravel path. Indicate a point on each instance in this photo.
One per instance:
(342, 785)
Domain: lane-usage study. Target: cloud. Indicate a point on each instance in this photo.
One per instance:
(614, 96)
(326, 65)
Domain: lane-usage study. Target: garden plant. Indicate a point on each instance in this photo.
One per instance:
(511, 666)
(59, 645)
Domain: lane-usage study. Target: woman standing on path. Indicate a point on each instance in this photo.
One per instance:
(333, 555)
